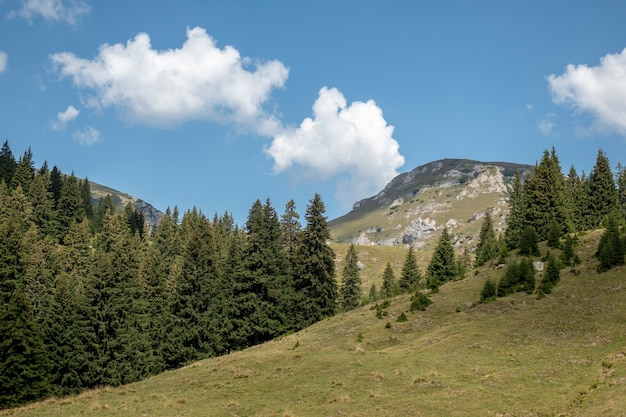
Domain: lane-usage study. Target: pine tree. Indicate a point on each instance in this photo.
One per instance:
(7, 163)
(23, 365)
(56, 183)
(516, 218)
(611, 248)
(544, 196)
(315, 278)
(602, 195)
(442, 266)
(264, 293)
(621, 188)
(197, 286)
(24, 172)
(529, 242)
(70, 207)
(410, 274)
(290, 228)
(488, 247)
(575, 195)
(351, 288)
(390, 286)
(85, 190)
(554, 235)
(121, 350)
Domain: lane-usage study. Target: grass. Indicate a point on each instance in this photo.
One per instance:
(563, 355)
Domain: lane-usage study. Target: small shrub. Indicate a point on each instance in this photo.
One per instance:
(402, 318)
(388, 325)
(489, 291)
(359, 338)
(419, 302)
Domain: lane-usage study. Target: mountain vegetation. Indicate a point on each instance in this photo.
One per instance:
(93, 297)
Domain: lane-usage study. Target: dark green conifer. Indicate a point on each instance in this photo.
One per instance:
(488, 247)
(390, 286)
(602, 195)
(351, 287)
(315, 275)
(7, 163)
(442, 266)
(410, 274)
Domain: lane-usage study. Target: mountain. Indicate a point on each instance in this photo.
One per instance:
(120, 199)
(416, 204)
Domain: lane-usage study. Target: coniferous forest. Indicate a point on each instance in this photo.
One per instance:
(92, 296)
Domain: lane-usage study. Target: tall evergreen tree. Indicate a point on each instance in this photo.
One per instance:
(56, 183)
(197, 287)
(70, 207)
(315, 278)
(544, 195)
(621, 188)
(24, 172)
(611, 248)
(602, 195)
(410, 274)
(390, 286)
(7, 163)
(85, 191)
(517, 216)
(264, 295)
(575, 195)
(351, 287)
(488, 247)
(24, 367)
(442, 266)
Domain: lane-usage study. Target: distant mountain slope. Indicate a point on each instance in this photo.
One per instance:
(120, 199)
(416, 204)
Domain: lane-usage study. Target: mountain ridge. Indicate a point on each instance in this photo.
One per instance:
(414, 205)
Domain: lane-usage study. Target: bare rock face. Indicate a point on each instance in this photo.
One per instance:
(414, 207)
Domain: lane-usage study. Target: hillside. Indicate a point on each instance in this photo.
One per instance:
(415, 204)
(120, 199)
(562, 355)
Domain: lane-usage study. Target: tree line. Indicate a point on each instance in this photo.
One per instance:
(90, 297)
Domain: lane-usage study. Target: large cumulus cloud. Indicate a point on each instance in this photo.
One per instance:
(168, 87)
(599, 90)
(352, 142)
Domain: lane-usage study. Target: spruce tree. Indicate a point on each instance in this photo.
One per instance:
(264, 293)
(7, 163)
(24, 172)
(517, 209)
(70, 207)
(488, 247)
(315, 276)
(410, 274)
(351, 287)
(611, 247)
(23, 365)
(544, 196)
(442, 266)
(390, 286)
(56, 183)
(602, 195)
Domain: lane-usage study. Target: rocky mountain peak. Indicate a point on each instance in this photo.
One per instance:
(415, 205)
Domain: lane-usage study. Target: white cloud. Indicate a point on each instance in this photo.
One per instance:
(600, 91)
(546, 125)
(64, 117)
(168, 87)
(87, 136)
(53, 10)
(3, 61)
(352, 142)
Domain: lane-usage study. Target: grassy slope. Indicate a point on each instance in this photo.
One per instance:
(518, 356)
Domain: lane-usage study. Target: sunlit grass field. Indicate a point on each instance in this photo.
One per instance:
(562, 355)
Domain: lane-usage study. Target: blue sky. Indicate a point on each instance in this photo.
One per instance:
(216, 104)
